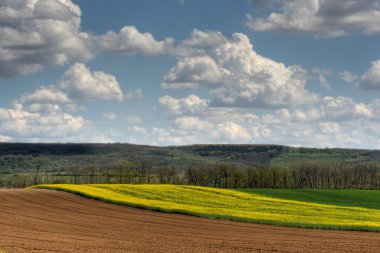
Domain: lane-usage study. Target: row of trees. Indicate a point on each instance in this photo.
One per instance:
(124, 172)
(303, 176)
(339, 175)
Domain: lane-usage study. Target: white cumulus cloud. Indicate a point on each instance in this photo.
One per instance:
(23, 125)
(348, 76)
(27, 125)
(191, 70)
(130, 41)
(321, 18)
(344, 108)
(235, 74)
(83, 84)
(371, 78)
(322, 77)
(329, 127)
(46, 94)
(191, 104)
(35, 33)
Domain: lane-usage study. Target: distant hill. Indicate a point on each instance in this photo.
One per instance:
(17, 157)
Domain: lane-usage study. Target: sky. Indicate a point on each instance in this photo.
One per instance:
(179, 72)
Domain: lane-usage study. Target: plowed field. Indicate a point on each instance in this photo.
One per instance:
(53, 221)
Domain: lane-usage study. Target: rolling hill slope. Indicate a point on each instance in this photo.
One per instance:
(19, 157)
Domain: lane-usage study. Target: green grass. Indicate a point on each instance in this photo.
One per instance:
(355, 198)
(327, 209)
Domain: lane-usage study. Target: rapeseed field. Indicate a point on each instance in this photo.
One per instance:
(326, 209)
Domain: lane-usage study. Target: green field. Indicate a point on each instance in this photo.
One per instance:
(327, 209)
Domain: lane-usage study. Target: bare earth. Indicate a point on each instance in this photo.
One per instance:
(53, 221)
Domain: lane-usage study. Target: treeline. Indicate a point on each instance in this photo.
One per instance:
(124, 172)
(339, 175)
(303, 176)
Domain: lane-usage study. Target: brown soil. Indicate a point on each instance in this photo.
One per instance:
(53, 221)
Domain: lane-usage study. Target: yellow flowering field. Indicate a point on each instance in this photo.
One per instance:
(259, 206)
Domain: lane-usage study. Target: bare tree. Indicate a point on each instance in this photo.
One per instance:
(285, 177)
(92, 172)
(166, 175)
(123, 172)
(143, 170)
(75, 173)
(38, 163)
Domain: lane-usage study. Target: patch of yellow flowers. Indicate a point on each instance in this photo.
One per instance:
(230, 204)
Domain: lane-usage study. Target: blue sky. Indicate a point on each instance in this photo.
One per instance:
(299, 73)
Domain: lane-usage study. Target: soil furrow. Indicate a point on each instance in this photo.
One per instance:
(53, 221)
